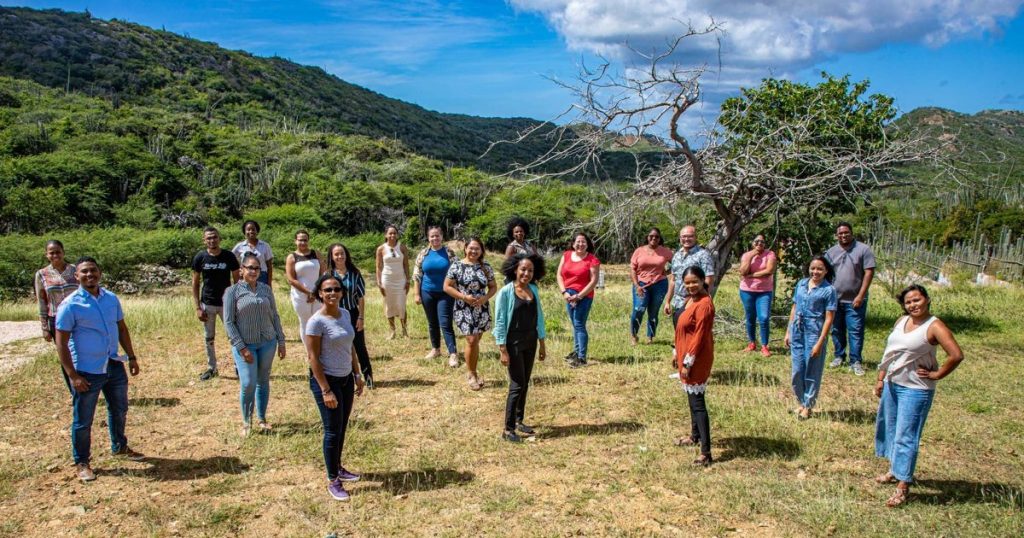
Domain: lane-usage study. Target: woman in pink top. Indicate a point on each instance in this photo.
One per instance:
(757, 285)
(650, 283)
(577, 278)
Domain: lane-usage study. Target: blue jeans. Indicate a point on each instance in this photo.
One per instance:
(649, 303)
(807, 369)
(578, 315)
(335, 421)
(438, 307)
(901, 415)
(254, 378)
(849, 323)
(757, 310)
(114, 386)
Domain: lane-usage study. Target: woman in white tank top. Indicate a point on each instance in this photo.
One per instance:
(907, 377)
(302, 269)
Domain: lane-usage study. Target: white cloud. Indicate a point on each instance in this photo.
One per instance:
(776, 38)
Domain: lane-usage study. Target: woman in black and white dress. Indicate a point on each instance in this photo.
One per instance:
(470, 281)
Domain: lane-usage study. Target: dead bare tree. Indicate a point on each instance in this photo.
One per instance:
(780, 145)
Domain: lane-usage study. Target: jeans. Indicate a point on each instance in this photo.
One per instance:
(700, 424)
(901, 415)
(360, 346)
(114, 386)
(438, 307)
(254, 378)
(522, 349)
(210, 332)
(807, 369)
(757, 307)
(849, 322)
(335, 421)
(649, 303)
(578, 315)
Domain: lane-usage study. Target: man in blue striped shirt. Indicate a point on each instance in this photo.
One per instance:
(90, 325)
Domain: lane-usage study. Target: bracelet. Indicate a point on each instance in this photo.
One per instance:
(326, 391)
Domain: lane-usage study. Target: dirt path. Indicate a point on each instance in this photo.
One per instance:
(20, 342)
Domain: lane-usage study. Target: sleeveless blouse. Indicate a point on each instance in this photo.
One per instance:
(307, 271)
(905, 352)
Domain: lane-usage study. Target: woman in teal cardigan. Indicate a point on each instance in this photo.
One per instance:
(519, 331)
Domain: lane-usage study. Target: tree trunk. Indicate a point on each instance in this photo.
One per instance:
(721, 245)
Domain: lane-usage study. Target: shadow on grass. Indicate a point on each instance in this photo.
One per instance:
(850, 416)
(402, 383)
(631, 359)
(313, 427)
(964, 492)
(168, 469)
(958, 323)
(402, 482)
(541, 381)
(290, 377)
(153, 402)
(608, 428)
(381, 358)
(748, 447)
(741, 378)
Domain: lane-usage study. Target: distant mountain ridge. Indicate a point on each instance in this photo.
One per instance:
(132, 63)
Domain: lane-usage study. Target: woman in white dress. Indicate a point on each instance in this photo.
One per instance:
(393, 278)
(302, 268)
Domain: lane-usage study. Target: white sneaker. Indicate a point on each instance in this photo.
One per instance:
(858, 370)
(434, 353)
(453, 360)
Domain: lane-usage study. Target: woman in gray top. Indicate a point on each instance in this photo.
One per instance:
(333, 376)
(254, 329)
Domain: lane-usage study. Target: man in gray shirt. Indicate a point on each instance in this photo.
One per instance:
(854, 266)
(689, 254)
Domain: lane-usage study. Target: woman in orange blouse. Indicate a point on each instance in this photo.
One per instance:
(695, 342)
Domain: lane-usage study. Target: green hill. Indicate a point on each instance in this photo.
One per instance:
(130, 63)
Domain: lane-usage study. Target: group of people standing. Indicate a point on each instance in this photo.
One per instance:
(328, 294)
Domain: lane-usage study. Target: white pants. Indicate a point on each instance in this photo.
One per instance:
(304, 311)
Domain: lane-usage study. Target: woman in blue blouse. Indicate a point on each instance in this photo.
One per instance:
(519, 333)
(432, 265)
(810, 320)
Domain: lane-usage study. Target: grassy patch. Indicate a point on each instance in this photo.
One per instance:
(604, 462)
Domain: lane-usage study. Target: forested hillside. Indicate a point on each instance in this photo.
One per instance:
(129, 63)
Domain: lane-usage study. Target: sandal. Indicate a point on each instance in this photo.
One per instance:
(885, 478)
(898, 497)
(687, 441)
(265, 426)
(803, 414)
(703, 461)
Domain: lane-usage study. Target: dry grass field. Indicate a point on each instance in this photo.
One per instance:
(603, 463)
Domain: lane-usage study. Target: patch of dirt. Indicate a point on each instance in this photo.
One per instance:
(14, 350)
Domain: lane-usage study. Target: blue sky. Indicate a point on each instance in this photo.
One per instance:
(495, 58)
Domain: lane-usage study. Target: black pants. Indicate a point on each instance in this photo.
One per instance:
(360, 344)
(335, 420)
(700, 424)
(522, 348)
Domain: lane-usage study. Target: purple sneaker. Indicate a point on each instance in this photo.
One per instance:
(337, 490)
(347, 476)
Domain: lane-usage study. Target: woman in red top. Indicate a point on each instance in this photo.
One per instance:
(697, 346)
(577, 278)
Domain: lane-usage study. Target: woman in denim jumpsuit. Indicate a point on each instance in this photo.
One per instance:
(810, 320)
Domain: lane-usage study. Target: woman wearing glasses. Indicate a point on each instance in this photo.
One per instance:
(393, 278)
(647, 269)
(757, 285)
(334, 378)
(254, 329)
